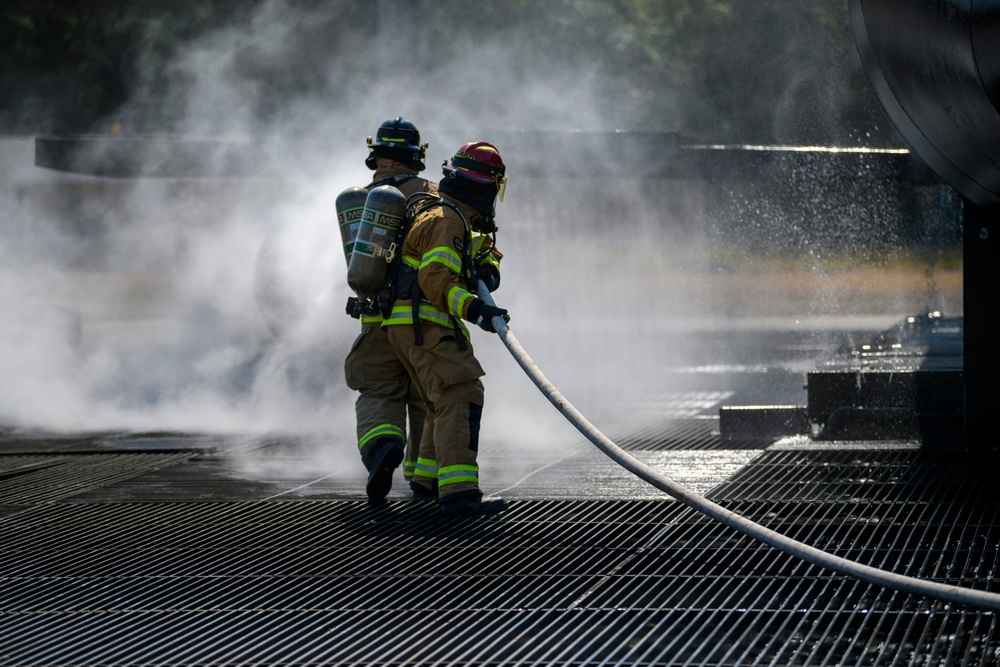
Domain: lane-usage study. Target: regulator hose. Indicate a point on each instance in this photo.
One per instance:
(898, 582)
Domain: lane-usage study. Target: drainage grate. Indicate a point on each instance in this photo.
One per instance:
(922, 513)
(857, 475)
(568, 582)
(691, 433)
(505, 638)
(28, 478)
(89, 579)
(672, 421)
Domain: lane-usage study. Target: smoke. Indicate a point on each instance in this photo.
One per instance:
(131, 305)
(216, 304)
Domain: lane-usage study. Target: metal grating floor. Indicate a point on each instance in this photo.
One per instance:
(577, 581)
(165, 549)
(690, 433)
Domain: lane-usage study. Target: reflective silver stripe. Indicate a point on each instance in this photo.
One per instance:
(458, 473)
(404, 315)
(457, 298)
(443, 255)
(425, 468)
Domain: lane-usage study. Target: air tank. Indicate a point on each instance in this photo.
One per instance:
(375, 243)
(350, 204)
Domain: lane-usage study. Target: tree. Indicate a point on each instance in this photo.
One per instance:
(769, 71)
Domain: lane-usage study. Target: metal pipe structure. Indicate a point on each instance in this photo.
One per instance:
(930, 589)
(935, 67)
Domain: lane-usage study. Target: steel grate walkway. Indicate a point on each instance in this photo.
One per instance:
(691, 433)
(569, 581)
(29, 478)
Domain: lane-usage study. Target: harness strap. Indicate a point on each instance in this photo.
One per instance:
(418, 332)
(409, 288)
(463, 345)
(396, 180)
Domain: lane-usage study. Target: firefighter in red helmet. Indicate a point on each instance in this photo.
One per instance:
(386, 393)
(447, 250)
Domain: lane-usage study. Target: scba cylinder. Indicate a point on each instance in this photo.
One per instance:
(350, 204)
(375, 243)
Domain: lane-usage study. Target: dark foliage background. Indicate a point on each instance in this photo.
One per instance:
(768, 71)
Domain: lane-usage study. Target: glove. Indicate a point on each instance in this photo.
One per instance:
(489, 275)
(482, 314)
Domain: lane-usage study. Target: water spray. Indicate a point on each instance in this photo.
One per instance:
(903, 583)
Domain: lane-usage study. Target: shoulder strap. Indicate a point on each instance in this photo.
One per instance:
(416, 204)
(396, 180)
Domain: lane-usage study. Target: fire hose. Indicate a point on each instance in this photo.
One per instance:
(873, 575)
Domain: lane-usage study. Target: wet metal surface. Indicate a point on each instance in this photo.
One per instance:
(181, 549)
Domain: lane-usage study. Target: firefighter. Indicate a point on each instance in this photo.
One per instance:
(447, 249)
(386, 393)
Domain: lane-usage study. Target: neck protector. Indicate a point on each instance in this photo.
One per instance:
(480, 196)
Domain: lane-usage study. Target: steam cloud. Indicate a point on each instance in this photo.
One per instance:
(137, 304)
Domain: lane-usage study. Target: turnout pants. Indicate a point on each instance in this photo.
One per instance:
(387, 395)
(448, 380)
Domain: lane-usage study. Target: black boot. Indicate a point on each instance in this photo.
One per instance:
(386, 456)
(472, 503)
(422, 494)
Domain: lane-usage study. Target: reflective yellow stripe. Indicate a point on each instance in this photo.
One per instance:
(457, 298)
(458, 473)
(404, 315)
(425, 468)
(443, 255)
(382, 431)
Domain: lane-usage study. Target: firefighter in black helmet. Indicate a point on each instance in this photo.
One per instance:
(386, 393)
(399, 141)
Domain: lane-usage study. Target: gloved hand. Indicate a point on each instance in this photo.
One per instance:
(489, 275)
(482, 314)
